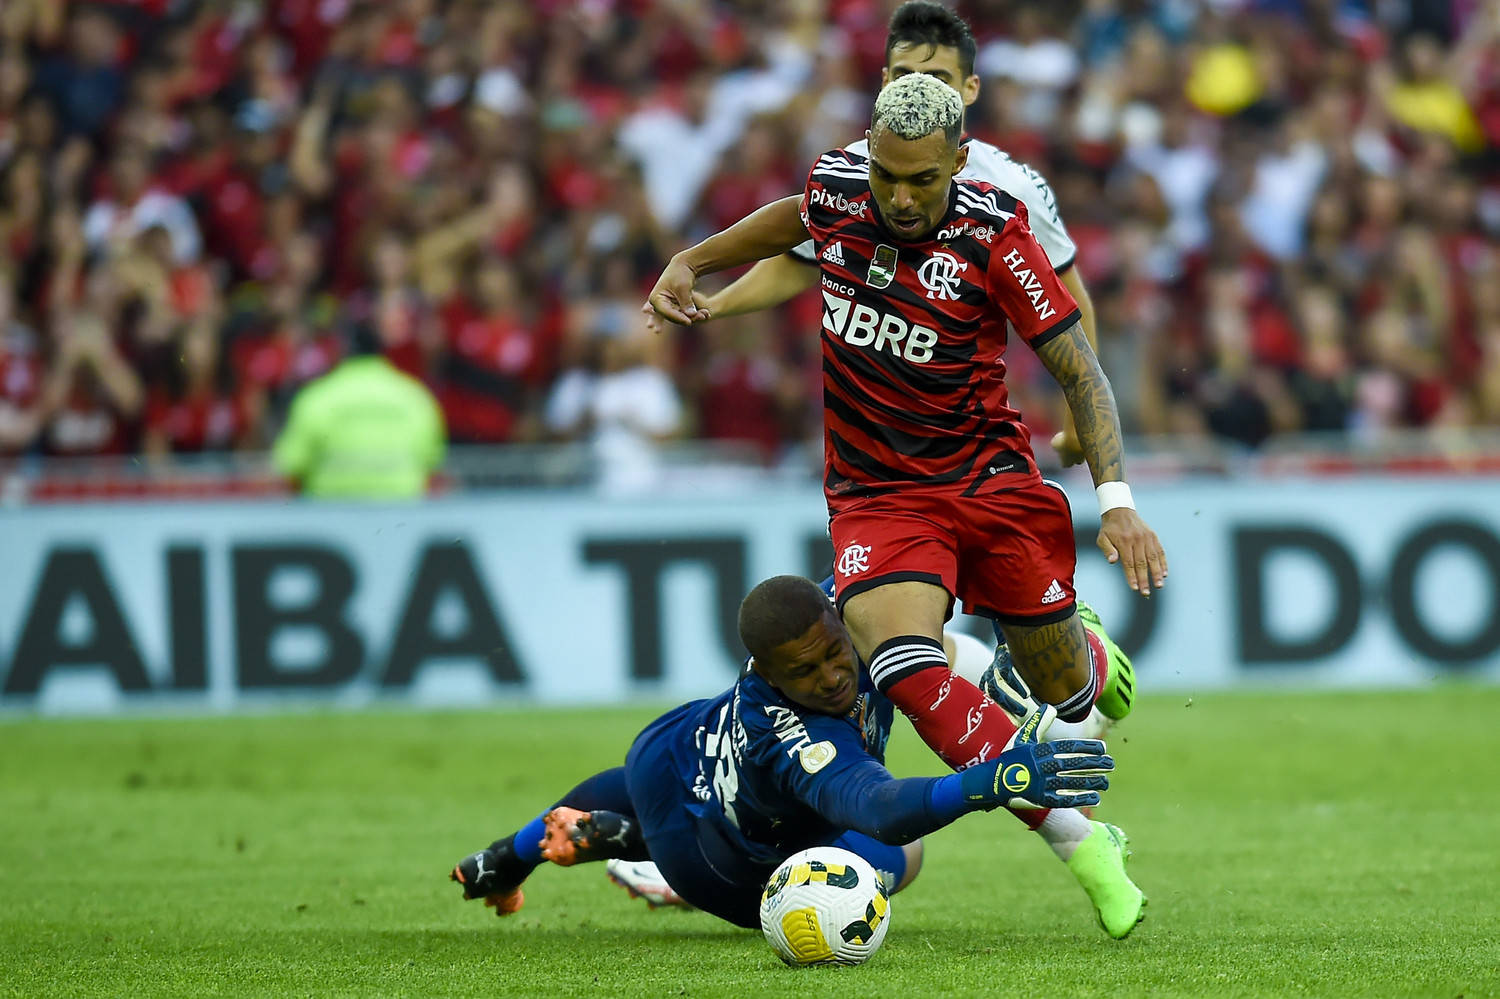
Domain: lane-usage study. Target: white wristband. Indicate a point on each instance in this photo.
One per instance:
(1113, 495)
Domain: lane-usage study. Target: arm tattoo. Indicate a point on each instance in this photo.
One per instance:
(1072, 362)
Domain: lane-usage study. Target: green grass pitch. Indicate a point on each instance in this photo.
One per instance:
(1308, 844)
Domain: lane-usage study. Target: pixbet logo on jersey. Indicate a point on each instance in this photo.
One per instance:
(983, 233)
(862, 326)
(838, 202)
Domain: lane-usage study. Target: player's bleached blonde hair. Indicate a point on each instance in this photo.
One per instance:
(916, 105)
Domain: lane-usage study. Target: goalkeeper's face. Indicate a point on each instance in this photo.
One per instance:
(818, 669)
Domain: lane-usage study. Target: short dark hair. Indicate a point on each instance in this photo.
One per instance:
(362, 339)
(778, 610)
(922, 22)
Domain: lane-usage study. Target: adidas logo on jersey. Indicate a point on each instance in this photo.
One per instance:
(1054, 593)
(834, 254)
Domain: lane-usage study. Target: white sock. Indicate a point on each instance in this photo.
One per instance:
(1092, 727)
(1064, 829)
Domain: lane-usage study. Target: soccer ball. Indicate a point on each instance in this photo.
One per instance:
(825, 906)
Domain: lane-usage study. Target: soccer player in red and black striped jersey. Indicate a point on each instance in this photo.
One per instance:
(927, 37)
(931, 485)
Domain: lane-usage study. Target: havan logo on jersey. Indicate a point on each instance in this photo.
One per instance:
(1030, 284)
(862, 326)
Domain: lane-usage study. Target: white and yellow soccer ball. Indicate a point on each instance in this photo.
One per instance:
(825, 906)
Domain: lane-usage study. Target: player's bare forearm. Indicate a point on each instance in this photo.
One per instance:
(1123, 536)
(766, 232)
(1065, 441)
(769, 283)
(1073, 363)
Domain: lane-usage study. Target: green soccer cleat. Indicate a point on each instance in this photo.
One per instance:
(1099, 865)
(1115, 700)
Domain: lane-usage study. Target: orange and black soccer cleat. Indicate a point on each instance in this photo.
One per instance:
(576, 837)
(495, 875)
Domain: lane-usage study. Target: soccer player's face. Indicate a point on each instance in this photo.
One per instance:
(909, 179)
(940, 61)
(818, 669)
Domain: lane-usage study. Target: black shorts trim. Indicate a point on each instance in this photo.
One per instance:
(1032, 621)
(865, 585)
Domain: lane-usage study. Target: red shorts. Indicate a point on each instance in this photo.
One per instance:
(1009, 556)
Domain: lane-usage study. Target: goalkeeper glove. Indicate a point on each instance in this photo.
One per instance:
(1005, 687)
(1030, 773)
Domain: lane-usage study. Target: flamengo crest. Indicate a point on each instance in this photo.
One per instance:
(855, 558)
(939, 275)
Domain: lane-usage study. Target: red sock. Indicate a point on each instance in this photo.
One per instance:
(951, 704)
(1031, 817)
(952, 716)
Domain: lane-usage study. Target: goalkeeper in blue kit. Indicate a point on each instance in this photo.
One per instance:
(718, 792)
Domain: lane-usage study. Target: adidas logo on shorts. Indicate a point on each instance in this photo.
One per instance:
(834, 254)
(1054, 593)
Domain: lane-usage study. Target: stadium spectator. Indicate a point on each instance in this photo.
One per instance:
(1353, 146)
(20, 375)
(132, 204)
(617, 396)
(191, 411)
(363, 431)
(86, 81)
(499, 357)
(677, 143)
(92, 395)
(743, 392)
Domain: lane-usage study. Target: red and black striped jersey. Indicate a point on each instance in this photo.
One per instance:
(914, 336)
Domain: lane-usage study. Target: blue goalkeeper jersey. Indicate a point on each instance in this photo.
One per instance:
(768, 776)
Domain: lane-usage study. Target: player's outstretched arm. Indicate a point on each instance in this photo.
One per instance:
(766, 232)
(1027, 773)
(1030, 773)
(1074, 364)
(766, 285)
(1123, 535)
(1065, 441)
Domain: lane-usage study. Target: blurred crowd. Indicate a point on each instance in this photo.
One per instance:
(1286, 210)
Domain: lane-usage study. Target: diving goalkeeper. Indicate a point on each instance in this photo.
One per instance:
(718, 792)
